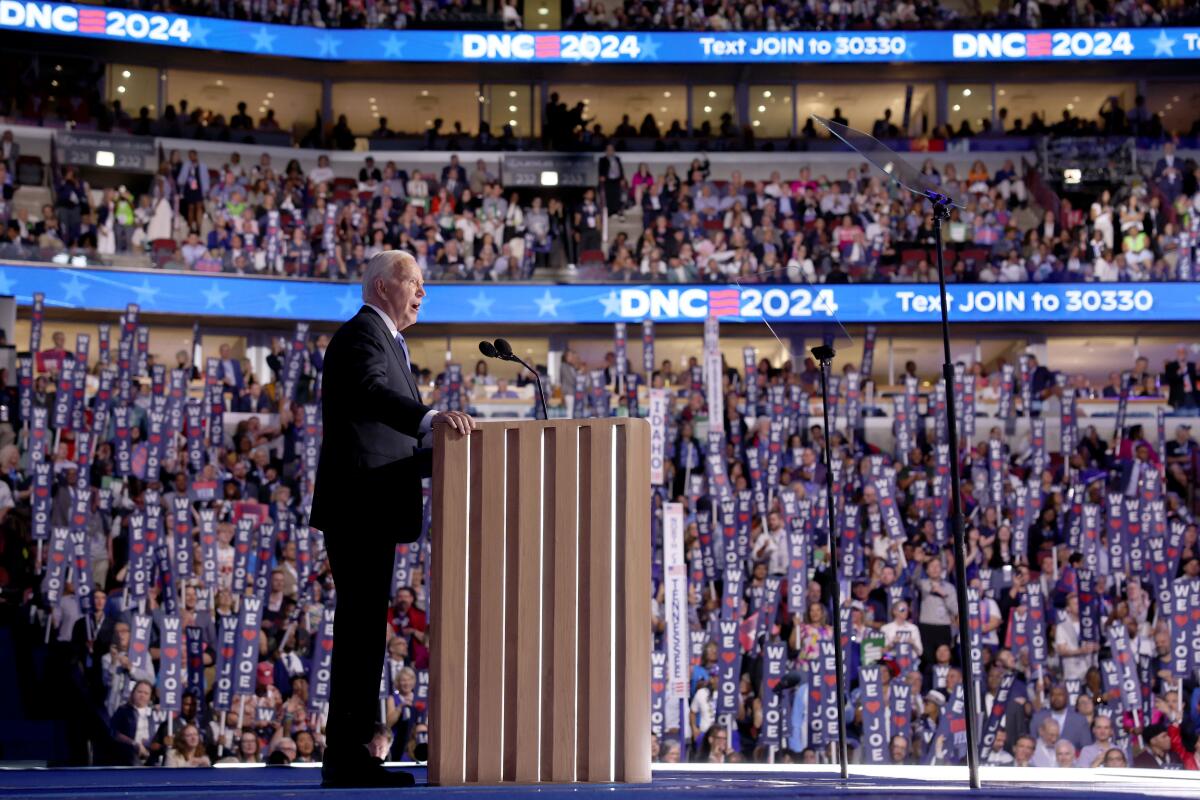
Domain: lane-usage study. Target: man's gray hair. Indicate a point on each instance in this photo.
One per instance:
(380, 266)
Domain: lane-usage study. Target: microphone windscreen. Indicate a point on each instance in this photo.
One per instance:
(504, 348)
(488, 349)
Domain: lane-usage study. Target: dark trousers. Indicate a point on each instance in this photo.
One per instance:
(361, 562)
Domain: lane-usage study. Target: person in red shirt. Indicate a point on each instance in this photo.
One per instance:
(406, 620)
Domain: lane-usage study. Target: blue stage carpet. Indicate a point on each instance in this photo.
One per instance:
(694, 783)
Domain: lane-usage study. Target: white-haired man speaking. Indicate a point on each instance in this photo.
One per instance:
(368, 499)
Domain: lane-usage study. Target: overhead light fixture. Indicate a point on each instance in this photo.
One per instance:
(105, 158)
(271, 95)
(220, 82)
(766, 93)
(966, 92)
(757, 123)
(762, 109)
(957, 107)
(708, 109)
(543, 11)
(512, 122)
(1001, 92)
(711, 93)
(666, 94)
(424, 93)
(121, 90)
(820, 94)
(126, 74)
(549, 177)
(512, 92)
(513, 109)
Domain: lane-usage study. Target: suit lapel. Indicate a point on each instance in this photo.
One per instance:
(393, 346)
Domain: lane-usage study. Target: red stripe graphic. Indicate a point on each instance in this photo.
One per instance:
(724, 302)
(92, 21)
(1037, 44)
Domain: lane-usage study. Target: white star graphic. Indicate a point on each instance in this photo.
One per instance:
(328, 46)
(145, 292)
(454, 48)
(1163, 45)
(482, 304)
(349, 303)
(214, 297)
(283, 300)
(199, 34)
(611, 303)
(264, 40)
(548, 305)
(393, 47)
(875, 302)
(6, 283)
(648, 49)
(74, 289)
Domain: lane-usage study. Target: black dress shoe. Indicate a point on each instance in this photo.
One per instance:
(362, 774)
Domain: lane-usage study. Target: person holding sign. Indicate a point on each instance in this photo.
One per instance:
(368, 498)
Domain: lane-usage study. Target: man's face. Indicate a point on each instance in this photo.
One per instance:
(1023, 750)
(60, 339)
(1064, 754)
(404, 289)
(1049, 732)
(1103, 729)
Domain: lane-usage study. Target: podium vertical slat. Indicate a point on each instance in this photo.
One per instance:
(485, 653)
(595, 603)
(559, 621)
(633, 582)
(522, 701)
(447, 694)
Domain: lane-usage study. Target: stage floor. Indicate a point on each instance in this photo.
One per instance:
(694, 781)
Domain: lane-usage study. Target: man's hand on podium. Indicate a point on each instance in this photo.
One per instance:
(459, 420)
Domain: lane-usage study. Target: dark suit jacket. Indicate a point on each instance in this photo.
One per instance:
(1174, 376)
(369, 474)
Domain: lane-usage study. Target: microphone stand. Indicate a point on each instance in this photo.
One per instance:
(941, 212)
(824, 354)
(537, 380)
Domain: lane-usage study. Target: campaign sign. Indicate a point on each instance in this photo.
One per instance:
(245, 666)
(171, 674)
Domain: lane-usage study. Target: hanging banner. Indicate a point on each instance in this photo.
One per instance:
(57, 565)
(659, 408)
(997, 714)
(774, 665)
(676, 600)
(648, 349)
(874, 716)
(658, 692)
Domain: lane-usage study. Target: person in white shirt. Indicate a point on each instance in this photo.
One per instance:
(322, 173)
(902, 629)
(771, 545)
(1044, 755)
(704, 705)
(1076, 656)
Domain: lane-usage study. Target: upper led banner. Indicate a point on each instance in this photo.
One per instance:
(194, 294)
(849, 47)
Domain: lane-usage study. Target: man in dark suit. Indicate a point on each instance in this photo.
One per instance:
(1181, 381)
(611, 172)
(368, 498)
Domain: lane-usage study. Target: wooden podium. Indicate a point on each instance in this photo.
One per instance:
(540, 603)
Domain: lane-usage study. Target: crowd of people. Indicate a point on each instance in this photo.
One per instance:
(264, 218)
(199, 531)
(693, 15)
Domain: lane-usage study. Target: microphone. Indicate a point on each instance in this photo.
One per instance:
(503, 351)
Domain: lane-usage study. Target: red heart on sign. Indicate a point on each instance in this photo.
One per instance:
(59, 557)
(816, 695)
(137, 547)
(327, 644)
(1020, 641)
(42, 491)
(138, 647)
(658, 686)
(872, 706)
(151, 537)
(171, 652)
(243, 548)
(728, 656)
(1160, 568)
(830, 679)
(797, 563)
(1196, 614)
(1181, 619)
(900, 720)
(249, 635)
(1035, 613)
